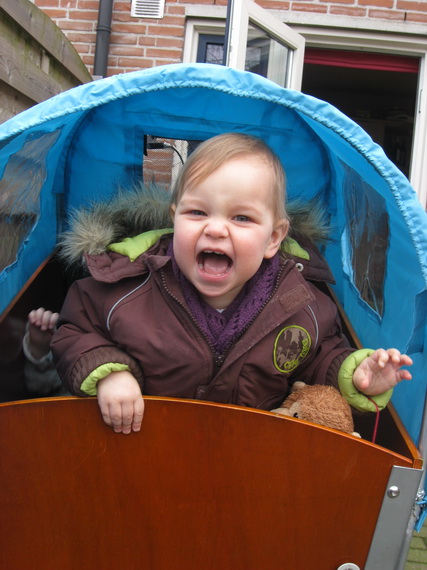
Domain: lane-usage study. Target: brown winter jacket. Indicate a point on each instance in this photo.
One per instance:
(133, 313)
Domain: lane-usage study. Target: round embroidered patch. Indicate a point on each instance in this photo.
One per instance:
(290, 348)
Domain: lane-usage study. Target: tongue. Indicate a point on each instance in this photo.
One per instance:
(215, 264)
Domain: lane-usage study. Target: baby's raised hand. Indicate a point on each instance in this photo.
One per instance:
(381, 371)
(41, 325)
(121, 402)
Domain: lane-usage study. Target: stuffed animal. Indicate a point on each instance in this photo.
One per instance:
(319, 404)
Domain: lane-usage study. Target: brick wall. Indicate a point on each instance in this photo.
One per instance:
(137, 43)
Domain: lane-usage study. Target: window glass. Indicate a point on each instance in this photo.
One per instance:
(367, 239)
(19, 202)
(210, 49)
(264, 55)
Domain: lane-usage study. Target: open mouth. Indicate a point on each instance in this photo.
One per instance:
(214, 263)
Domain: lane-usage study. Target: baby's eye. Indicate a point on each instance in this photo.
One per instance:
(241, 218)
(197, 213)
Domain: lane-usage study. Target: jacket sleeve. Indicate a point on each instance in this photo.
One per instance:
(82, 342)
(41, 377)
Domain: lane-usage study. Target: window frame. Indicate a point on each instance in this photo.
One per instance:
(245, 12)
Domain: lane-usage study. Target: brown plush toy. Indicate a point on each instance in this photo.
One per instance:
(322, 405)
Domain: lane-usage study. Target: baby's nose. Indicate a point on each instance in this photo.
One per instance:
(216, 228)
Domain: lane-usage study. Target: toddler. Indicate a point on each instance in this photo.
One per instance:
(222, 307)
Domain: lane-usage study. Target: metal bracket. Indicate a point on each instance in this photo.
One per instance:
(390, 543)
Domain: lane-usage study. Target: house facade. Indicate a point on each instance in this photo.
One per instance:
(367, 57)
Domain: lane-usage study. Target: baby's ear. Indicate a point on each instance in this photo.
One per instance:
(280, 231)
(172, 211)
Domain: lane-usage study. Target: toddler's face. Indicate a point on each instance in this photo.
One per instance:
(224, 228)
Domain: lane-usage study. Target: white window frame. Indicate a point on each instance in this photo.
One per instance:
(196, 26)
(245, 12)
(381, 42)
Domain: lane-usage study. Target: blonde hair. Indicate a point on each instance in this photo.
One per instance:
(214, 152)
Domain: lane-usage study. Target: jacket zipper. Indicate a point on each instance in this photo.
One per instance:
(267, 300)
(218, 359)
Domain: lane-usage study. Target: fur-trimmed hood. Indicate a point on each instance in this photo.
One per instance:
(127, 214)
(140, 209)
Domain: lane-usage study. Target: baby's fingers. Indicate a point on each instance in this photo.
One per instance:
(381, 356)
(406, 360)
(405, 375)
(50, 319)
(105, 412)
(121, 417)
(132, 414)
(45, 320)
(124, 418)
(112, 415)
(138, 414)
(35, 316)
(127, 417)
(392, 355)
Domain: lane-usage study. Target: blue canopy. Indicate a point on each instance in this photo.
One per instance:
(79, 145)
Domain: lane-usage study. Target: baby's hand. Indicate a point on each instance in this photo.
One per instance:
(121, 402)
(40, 330)
(381, 371)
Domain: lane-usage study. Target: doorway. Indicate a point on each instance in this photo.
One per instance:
(377, 91)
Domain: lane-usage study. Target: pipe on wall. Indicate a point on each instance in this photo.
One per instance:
(103, 31)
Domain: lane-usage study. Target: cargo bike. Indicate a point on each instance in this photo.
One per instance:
(207, 485)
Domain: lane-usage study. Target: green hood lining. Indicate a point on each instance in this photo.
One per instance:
(133, 247)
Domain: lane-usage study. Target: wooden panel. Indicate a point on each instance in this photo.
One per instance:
(201, 486)
(21, 65)
(37, 61)
(43, 30)
(11, 102)
(390, 433)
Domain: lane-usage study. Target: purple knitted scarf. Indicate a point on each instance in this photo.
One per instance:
(222, 329)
